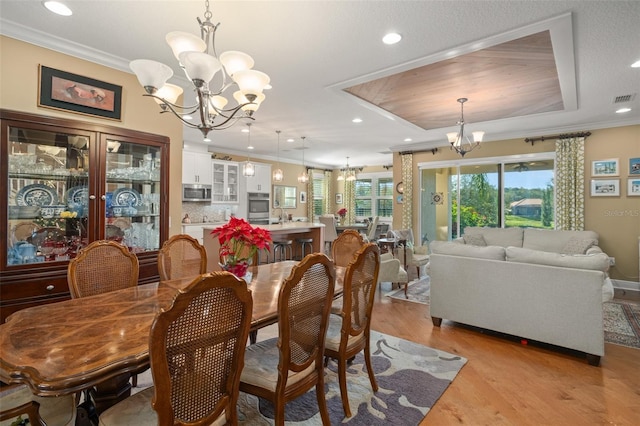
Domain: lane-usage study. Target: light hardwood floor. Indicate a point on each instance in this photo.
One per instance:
(507, 383)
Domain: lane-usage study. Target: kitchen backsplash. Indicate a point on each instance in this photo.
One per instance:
(203, 212)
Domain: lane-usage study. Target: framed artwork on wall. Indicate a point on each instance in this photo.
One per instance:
(633, 187)
(607, 167)
(83, 95)
(339, 198)
(634, 166)
(303, 197)
(605, 187)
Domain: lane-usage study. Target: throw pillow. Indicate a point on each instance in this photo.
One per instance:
(577, 245)
(474, 240)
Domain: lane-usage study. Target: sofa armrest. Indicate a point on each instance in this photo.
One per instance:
(421, 249)
(594, 250)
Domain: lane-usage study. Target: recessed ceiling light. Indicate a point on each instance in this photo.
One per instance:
(290, 140)
(250, 147)
(636, 64)
(391, 38)
(408, 139)
(58, 8)
(623, 110)
(244, 130)
(357, 120)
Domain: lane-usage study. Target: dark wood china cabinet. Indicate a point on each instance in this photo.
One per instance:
(68, 183)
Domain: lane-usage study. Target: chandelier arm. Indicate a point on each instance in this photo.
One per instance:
(232, 110)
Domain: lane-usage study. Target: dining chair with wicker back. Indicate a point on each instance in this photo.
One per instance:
(349, 331)
(284, 368)
(16, 400)
(346, 246)
(101, 267)
(181, 256)
(196, 350)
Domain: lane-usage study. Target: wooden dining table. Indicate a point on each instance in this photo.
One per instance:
(66, 347)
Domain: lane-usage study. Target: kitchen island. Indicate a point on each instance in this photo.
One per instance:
(287, 230)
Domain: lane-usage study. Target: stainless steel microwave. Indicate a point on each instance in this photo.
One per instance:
(196, 192)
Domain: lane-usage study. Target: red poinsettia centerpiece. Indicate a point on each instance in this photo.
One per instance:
(342, 212)
(239, 242)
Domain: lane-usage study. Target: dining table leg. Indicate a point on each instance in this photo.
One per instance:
(110, 392)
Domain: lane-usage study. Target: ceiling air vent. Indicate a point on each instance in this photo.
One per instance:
(623, 98)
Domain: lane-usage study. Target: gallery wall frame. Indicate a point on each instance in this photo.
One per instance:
(603, 168)
(633, 187)
(605, 187)
(303, 197)
(634, 166)
(339, 198)
(66, 91)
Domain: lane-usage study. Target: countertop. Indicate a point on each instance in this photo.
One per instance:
(287, 226)
(203, 223)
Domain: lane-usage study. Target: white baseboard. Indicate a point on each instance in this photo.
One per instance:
(626, 285)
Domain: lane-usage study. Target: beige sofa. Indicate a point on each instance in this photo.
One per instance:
(537, 284)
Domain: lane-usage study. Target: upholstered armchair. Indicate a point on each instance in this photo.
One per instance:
(417, 256)
(391, 271)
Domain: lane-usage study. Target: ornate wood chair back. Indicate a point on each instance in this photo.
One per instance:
(101, 267)
(346, 246)
(181, 256)
(349, 332)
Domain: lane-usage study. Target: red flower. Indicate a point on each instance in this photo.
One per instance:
(342, 212)
(239, 242)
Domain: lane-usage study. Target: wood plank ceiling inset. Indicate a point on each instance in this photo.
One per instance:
(511, 79)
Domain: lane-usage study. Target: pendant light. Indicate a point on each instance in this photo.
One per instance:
(249, 169)
(304, 176)
(277, 173)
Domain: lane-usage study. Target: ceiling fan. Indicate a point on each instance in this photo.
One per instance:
(520, 167)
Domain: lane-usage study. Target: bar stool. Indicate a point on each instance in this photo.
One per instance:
(305, 243)
(284, 248)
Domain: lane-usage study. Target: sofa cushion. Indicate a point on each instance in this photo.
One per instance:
(596, 262)
(474, 240)
(503, 237)
(455, 249)
(577, 245)
(552, 240)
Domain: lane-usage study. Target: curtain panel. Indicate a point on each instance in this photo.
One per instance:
(407, 182)
(569, 184)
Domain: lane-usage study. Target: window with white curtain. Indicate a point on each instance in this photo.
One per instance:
(374, 195)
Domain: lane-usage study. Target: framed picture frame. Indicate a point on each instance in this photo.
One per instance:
(634, 166)
(608, 167)
(605, 187)
(633, 187)
(303, 197)
(83, 95)
(400, 199)
(339, 198)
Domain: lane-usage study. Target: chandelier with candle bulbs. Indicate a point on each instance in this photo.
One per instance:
(198, 58)
(461, 142)
(349, 173)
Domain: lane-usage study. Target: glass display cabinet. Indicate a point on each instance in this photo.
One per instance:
(70, 183)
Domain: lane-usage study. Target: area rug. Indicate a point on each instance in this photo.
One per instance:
(418, 291)
(621, 317)
(622, 323)
(411, 378)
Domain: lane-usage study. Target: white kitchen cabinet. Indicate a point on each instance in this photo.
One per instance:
(261, 182)
(196, 167)
(226, 182)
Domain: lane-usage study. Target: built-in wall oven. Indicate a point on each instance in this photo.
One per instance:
(258, 208)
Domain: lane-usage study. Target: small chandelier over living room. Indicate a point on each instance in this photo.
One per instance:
(459, 141)
(200, 62)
